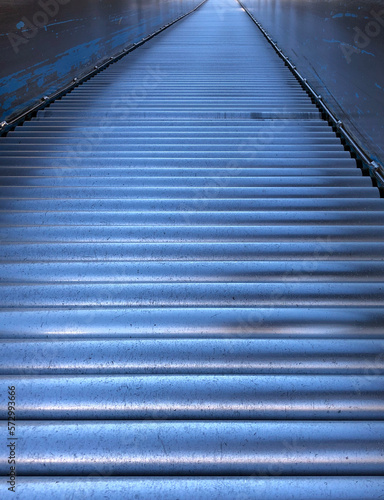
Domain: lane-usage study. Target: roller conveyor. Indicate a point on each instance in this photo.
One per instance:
(191, 283)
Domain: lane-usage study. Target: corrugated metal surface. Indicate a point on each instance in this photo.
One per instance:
(192, 283)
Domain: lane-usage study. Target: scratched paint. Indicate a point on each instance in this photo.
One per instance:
(358, 50)
(43, 50)
(338, 45)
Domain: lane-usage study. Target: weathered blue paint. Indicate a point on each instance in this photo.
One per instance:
(42, 50)
(338, 45)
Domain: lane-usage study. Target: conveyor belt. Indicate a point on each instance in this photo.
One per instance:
(191, 283)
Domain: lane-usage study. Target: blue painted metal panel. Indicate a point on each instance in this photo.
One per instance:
(338, 45)
(45, 43)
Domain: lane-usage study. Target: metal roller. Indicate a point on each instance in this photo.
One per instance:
(191, 283)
